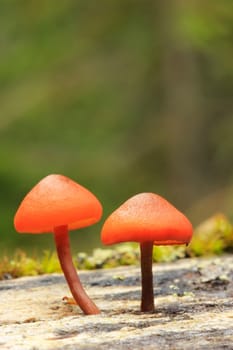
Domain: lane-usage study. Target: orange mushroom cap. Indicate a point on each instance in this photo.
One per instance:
(147, 217)
(56, 201)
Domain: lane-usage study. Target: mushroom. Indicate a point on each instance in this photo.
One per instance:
(149, 219)
(56, 205)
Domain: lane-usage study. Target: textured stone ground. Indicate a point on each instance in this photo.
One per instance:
(194, 309)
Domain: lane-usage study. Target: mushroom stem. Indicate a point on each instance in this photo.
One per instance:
(147, 298)
(62, 241)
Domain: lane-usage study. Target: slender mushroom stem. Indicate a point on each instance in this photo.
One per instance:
(147, 298)
(62, 241)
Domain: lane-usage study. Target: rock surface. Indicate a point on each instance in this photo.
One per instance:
(194, 309)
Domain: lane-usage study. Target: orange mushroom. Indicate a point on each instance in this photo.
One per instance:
(58, 204)
(150, 220)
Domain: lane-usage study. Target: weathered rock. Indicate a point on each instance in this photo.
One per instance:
(193, 298)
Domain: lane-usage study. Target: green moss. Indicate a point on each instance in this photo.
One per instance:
(20, 264)
(168, 253)
(49, 262)
(213, 236)
(123, 254)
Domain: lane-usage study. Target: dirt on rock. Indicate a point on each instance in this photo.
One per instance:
(193, 299)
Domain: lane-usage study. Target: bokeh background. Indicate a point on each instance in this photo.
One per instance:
(123, 96)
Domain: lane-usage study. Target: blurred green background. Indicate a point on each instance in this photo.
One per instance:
(123, 96)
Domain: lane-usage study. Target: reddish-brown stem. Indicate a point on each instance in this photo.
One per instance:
(62, 241)
(147, 298)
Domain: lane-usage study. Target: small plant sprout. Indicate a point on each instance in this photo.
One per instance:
(150, 220)
(56, 205)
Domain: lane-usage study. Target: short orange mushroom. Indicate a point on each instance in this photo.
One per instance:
(149, 219)
(55, 205)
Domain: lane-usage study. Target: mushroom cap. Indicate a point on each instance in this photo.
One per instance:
(56, 201)
(147, 217)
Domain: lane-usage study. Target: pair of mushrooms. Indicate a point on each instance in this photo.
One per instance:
(57, 204)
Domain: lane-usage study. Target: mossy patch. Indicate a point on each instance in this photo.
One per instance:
(212, 237)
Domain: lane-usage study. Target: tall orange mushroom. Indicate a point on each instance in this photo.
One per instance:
(58, 204)
(149, 219)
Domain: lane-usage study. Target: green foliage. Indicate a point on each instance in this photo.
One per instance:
(123, 254)
(213, 236)
(168, 253)
(23, 265)
(49, 262)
